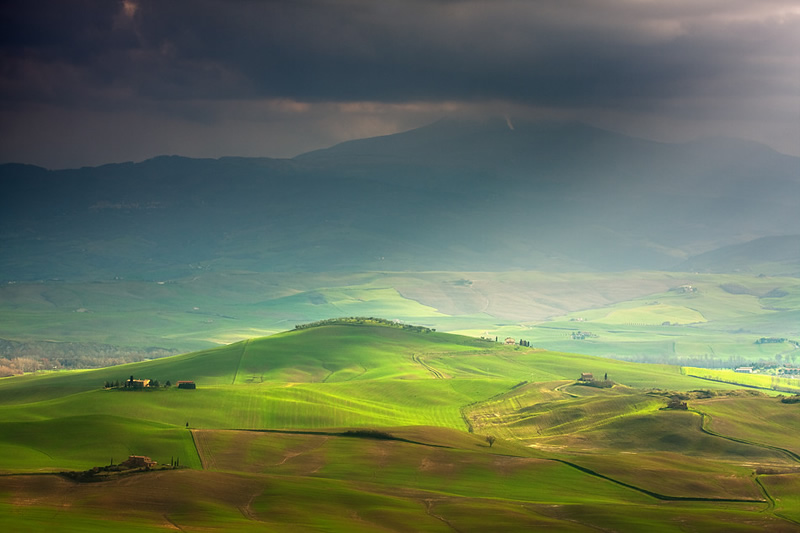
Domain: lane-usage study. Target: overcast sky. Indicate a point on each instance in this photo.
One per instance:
(86, 82)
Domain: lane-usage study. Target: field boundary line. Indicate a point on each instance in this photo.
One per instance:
(765, 492)
(197, 451)
(656, 495)
(429, 504)
(793, 456)
(174, 524)
(736, 383)
(239, 364)
(703, 427)
(771, 504)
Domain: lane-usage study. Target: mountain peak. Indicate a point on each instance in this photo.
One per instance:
(455, 140)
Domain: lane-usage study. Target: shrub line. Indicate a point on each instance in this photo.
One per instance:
(351, 433)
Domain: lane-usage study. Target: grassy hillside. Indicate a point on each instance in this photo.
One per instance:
(78, 442)
(665, 317)
(372, 427)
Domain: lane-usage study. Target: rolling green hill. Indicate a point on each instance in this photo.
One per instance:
(365, 425)
(704, 320)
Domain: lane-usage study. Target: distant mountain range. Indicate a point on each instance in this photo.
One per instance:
(454, 195)
(778, 255)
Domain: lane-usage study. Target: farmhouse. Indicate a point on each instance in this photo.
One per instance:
(586, 376)
(509, 340)
(138, 461)
(138, 383)
(744, 370)
(186, 385)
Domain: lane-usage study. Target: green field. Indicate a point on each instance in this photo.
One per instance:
(748, 380)
(372, 427)
(662, 317)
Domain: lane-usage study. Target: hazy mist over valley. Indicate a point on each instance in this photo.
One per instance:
(399, 266)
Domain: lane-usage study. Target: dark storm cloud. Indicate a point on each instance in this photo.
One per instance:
(544, 53)
(199, 60)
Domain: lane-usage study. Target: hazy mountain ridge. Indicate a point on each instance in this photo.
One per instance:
(778, 255)
(454, 195)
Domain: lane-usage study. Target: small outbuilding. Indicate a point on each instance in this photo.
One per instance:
(186, 385)
(586, 376)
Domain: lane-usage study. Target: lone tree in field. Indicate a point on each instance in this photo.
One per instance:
(490, 439)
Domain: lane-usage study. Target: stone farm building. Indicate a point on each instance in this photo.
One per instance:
(586, 376)
(138, 461)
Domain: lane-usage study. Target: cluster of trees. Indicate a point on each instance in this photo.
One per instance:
(19, 357)
(369, 434)
(703, 394)
(361, 320)
(699, 361)
(676, 403)
(777, 364)
(19, 365)
(597, 383)
(768, 340)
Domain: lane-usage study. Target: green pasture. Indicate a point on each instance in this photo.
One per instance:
(687, 345)
(758, 420)
(676, 474)
(463, 473)
(268, 406)
(473, 474)
(88, 440)
(524, 415)
(665, 431)
(199, 501)
(745, 379)
(211, 367)
(265, 443)
(627, 435)
(650, 314)
(718, 320)
(343, 353)
(539, 365)
(785, 490)
(257, 481)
